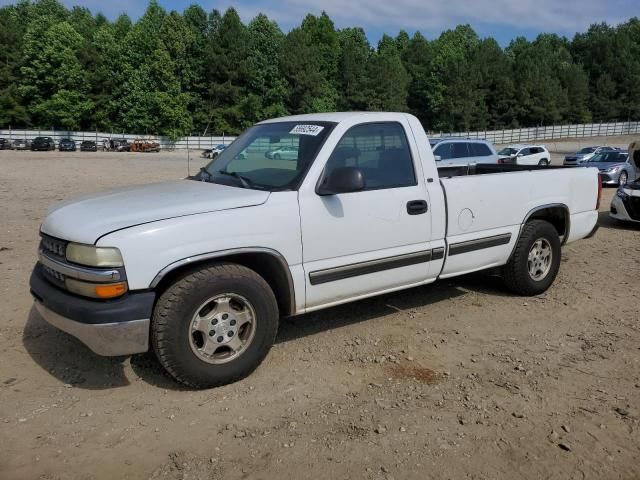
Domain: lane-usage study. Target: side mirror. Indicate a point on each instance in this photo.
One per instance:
(342, 180)
(520, 155)
(437, 157)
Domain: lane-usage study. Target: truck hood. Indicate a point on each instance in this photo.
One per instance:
(85, 219)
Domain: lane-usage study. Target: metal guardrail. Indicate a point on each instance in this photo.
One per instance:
(191, 142)
(554, 132)
(500, 137)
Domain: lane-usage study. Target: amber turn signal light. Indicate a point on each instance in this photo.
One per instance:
(111, 290)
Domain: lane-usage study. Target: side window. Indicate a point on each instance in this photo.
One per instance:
(380, 151)
(524, 152)
(535, 150)
(443, 151)
(460, 150)
(480, 150)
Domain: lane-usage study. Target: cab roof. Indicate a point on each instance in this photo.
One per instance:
(336, 117)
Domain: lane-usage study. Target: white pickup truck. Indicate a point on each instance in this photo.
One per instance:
(201, 269)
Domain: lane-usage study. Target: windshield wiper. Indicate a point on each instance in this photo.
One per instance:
(246, 183)
(205, 176)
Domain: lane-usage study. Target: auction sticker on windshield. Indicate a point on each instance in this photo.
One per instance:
(306, 130)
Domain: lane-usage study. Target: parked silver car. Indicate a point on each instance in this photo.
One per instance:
(283, 153)
(585, 154)
(616, 168)
(462, 151)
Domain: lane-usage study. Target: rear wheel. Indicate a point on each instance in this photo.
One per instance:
(544, 162)
(535, 261)
(214, 326)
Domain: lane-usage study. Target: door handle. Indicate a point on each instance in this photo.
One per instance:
(417, 207)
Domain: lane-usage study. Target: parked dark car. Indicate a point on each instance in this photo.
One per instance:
(67, 145)
(21, 144)
(43, 143)
(5, 144)
(88, 146)
(120, 145)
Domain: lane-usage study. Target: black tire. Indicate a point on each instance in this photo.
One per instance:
(276, 156)
(176, 307)
(544, 162)
(623, 178)
(516, 272)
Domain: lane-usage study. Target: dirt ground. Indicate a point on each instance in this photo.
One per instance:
(454, 380)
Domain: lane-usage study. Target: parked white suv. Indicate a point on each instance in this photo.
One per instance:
(525, 155)
(462, 151)
(200, 270)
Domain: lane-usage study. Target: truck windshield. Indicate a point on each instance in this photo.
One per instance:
(271, 156)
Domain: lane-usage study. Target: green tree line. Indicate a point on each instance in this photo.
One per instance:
(204, 72)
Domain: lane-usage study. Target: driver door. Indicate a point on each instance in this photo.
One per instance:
(369, 241)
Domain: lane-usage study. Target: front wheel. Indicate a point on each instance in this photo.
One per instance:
(214, 326)
(535, 261)
(622, 179)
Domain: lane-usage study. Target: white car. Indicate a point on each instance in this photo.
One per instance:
(525, 155)
(214, 151)
(625, 205)
(202, 269)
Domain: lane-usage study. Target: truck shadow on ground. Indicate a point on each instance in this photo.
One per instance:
(72, 363)
(69, 360)
(605, 221)
(405, 300)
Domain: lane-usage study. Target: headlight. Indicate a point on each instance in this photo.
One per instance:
(94, 256)
(613, 169)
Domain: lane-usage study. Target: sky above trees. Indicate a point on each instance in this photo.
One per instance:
(501, 19)
(207, 71)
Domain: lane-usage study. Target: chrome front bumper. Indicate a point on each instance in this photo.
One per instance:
(113, 327)
(108, 339)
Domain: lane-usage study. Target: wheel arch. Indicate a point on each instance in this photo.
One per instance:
(557, 214)
(267, 263)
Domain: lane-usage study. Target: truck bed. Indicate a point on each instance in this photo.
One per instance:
(484, 208)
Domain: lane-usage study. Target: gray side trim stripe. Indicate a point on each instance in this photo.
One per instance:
(479, 244)
(363, 268)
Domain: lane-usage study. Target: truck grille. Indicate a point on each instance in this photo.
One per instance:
(53, 246)
(53, 276)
